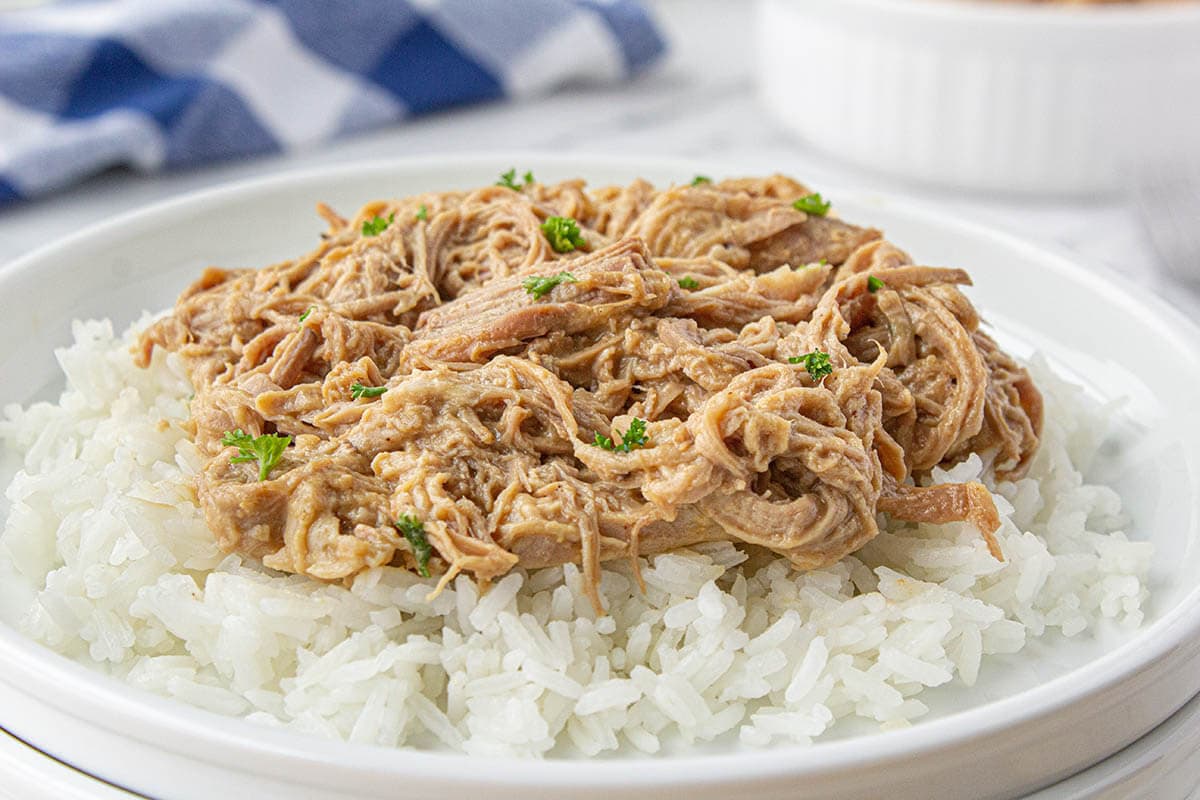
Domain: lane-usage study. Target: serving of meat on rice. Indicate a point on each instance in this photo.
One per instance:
(786, 375)
(542, 468)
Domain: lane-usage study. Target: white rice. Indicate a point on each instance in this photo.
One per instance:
(125, 577)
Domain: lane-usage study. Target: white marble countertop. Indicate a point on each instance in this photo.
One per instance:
(701, 103)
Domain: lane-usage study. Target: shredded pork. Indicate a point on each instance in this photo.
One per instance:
(688, 309)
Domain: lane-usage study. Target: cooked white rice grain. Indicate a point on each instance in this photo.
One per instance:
(122, 574)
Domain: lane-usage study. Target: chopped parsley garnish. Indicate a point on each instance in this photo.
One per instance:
(874, 284)
(422, 212)
(377, 225)
(816, 363)
(357, 390)
(688, 282)
(509, 179)
(307, 312)
(563, 234)
(538, 285)
(634, 437)
(266, 449)
(699, 179)
(824, 262)
(813, 204)
(414, 533)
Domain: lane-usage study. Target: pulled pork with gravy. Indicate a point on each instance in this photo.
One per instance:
(538, 374)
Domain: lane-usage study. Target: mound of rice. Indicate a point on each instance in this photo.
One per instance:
(125, 577)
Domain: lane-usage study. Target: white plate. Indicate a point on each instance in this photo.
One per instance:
(1162, 765)
(1027, 723)
(26, 774)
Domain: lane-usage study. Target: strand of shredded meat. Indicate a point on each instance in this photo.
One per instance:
(493, 398)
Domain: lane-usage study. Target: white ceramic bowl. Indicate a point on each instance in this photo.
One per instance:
(1028, 722)
(981, 94)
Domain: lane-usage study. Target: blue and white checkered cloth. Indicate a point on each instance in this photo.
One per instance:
(166, 83)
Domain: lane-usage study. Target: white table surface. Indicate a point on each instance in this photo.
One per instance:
(700, 103)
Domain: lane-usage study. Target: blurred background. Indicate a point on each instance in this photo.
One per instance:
(1074, 125)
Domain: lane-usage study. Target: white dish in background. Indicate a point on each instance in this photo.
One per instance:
(1028, 722)
(1039, 98)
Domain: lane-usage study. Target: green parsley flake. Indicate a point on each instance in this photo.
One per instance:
(307, 312)
(874, 284)
(266, 449)
(813, 204)
(377, 225)
(357, 390)
(422, 213)
(688, 282)
(816, 363)
(563, 234)
(634, 437)
(414, 533)
(509, 180)
(699, 179)
(538, 285)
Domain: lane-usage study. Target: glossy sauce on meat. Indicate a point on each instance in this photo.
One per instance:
(687, 310)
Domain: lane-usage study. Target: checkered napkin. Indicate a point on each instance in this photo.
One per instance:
(166, 83)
